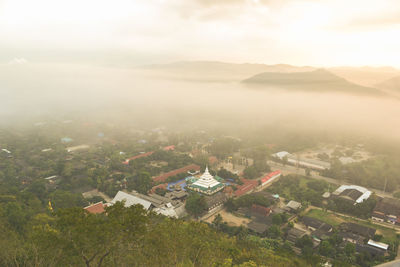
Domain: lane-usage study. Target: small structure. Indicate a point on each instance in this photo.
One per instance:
(315, 224)
(96, 208)
(76, 148)
(353, 193)
(388, 209)
(257, 227)
(326, 195)
(293, 206)
(294, 234)
(379, 245)
(206, 184)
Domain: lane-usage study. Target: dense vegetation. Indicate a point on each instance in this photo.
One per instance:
(126, 237)
(382, 173)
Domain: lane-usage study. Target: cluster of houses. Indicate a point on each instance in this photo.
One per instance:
(359, 235)
(387, 210)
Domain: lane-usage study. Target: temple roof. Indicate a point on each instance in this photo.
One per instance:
(206, 180)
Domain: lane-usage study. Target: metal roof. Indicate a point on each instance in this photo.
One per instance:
(130, 200)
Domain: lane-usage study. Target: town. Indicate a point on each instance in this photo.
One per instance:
(305, 202)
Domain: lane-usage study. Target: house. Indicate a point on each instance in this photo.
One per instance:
(388, 209)
(259, 210)
(257, 227)
(357, 229)
(293, 206)
(215, 201)
(294, 234)
(351, 237)
(315, 224)
(95, 208)
(368, 249)
(353, 193)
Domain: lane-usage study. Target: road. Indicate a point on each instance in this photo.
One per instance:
(288, 169)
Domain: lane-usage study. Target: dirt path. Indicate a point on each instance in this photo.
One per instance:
(230, 218)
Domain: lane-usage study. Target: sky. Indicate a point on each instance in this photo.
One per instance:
(135, 32)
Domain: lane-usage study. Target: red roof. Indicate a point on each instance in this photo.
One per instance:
(168, 148)
(247, 186)
(126, 162)
(95, 208)
(164, 176)
(269, 176)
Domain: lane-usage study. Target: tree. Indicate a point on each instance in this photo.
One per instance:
(141, 182)
(250, 172)
(196, 204)
(79, 237)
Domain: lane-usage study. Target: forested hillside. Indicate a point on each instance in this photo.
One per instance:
(126, 237)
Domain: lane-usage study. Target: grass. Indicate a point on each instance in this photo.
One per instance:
(324, 216)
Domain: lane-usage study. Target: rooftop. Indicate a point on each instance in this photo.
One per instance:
(95, 208)
(349, 191)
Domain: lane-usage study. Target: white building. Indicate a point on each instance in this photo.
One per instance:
(206, 184)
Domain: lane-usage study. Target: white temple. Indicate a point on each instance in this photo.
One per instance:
(206, 184)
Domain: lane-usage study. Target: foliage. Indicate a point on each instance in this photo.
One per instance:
(196, 204)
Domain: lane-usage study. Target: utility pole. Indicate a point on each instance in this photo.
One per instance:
(384, 188)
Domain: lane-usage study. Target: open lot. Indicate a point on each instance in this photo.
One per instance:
(230, 218)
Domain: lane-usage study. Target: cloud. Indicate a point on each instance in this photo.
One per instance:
(18, 61)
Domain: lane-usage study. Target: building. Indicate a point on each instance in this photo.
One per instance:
(206, 184)
(315, 224)
(77, 148)
(153, 202)
(131, 200)
(302, 162)
(293, 206)
(294, 234)
(378, 245)
(270, 177)
(215, 201)
(246, 187)
(357, 229)
(353, 193)
(95, 208)
(388, 210)
(164, 177)
(258, 227)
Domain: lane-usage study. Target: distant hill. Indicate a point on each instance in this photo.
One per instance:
(214, 71)
(391, 86)
(365, 76)
(319, 80)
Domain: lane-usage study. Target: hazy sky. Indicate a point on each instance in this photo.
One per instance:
(130, 32)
